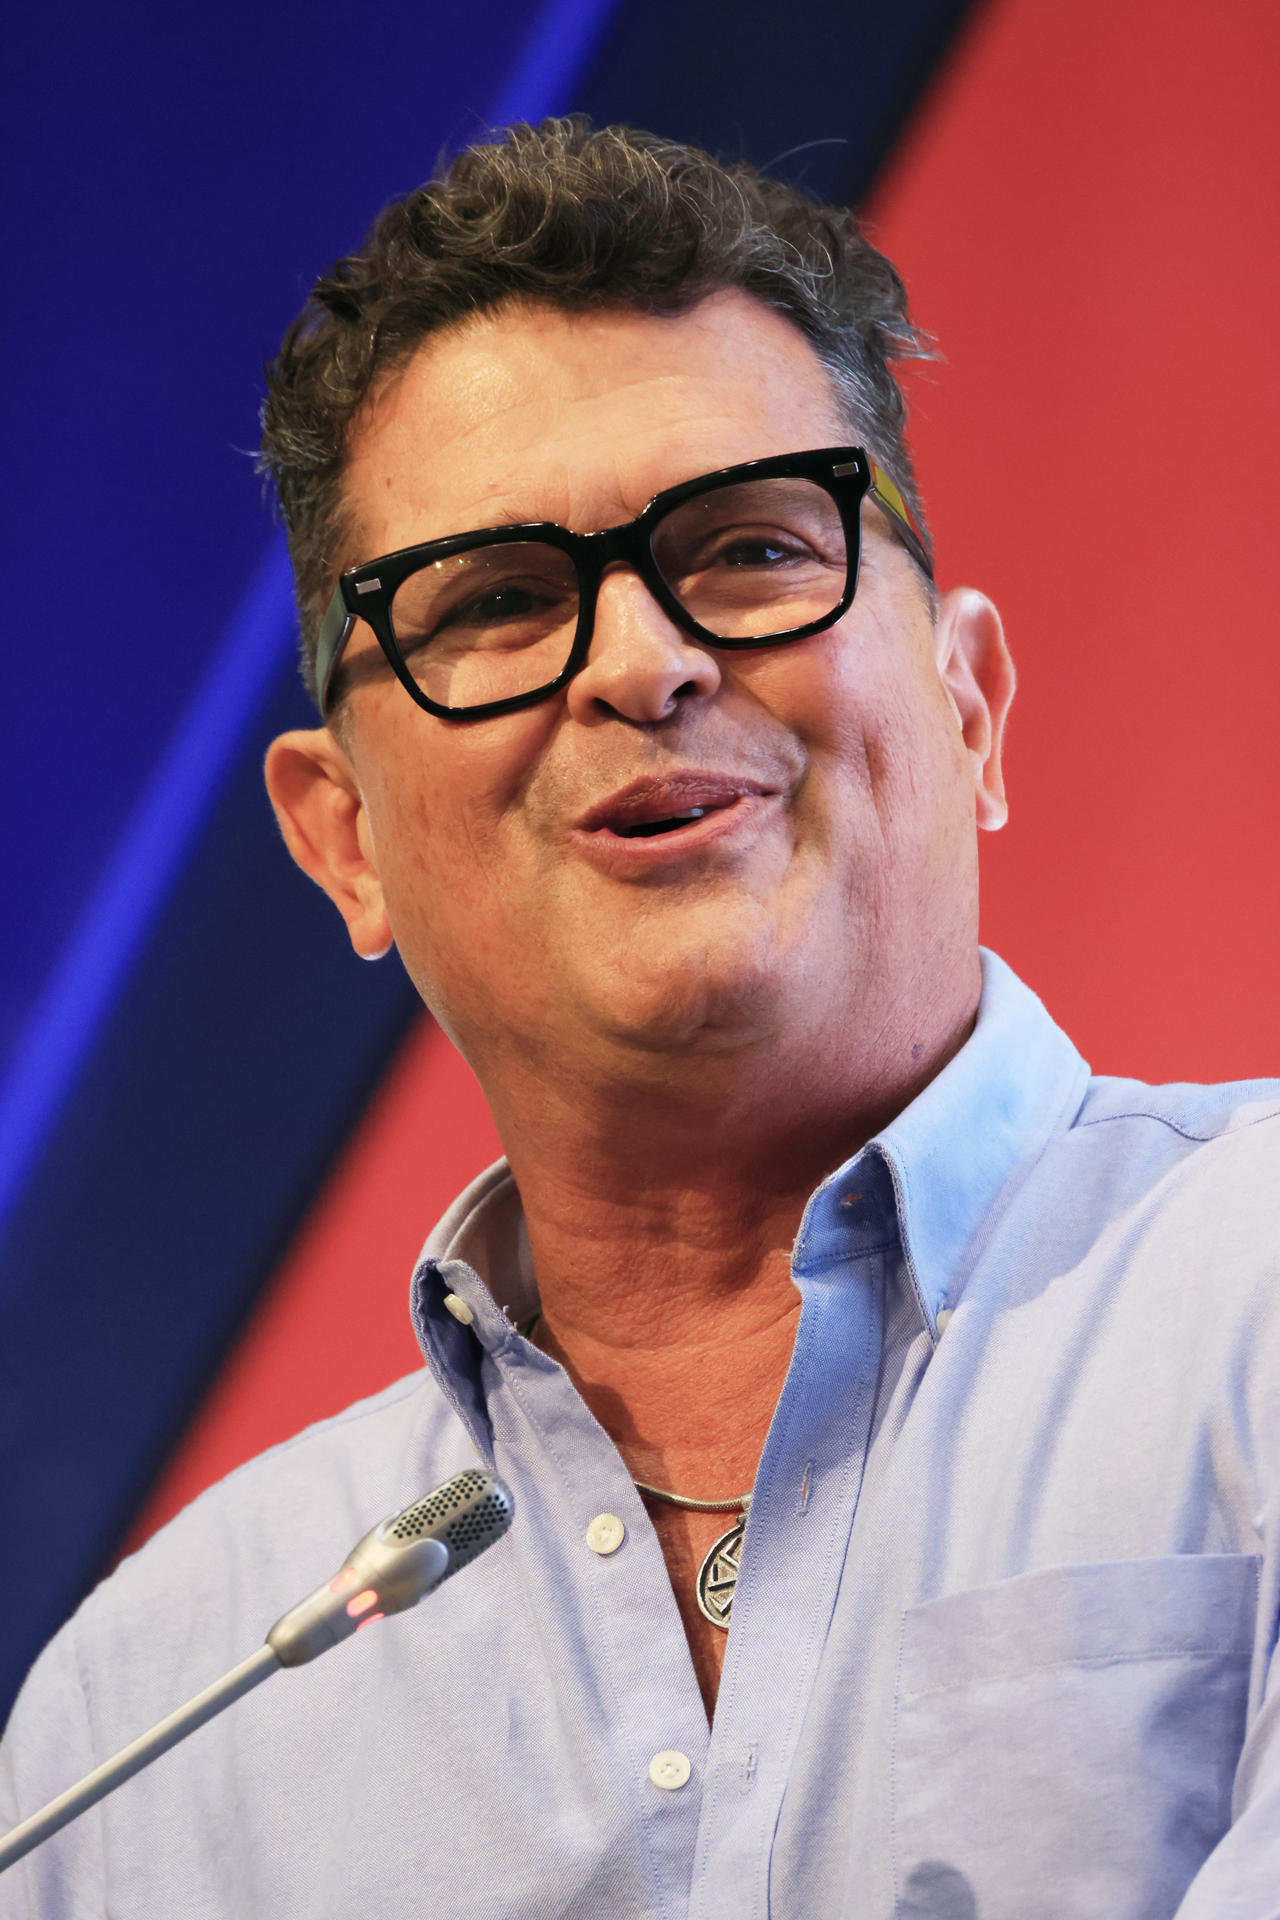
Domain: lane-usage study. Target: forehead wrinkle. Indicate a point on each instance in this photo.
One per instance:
(619, 487)
(608, 495)
(482, 396)
(500, 393)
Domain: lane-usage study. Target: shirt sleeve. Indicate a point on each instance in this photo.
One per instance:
(47, 1747)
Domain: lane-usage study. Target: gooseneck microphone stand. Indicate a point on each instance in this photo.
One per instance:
(387, 1571)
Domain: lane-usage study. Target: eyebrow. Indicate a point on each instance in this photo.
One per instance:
(509, 519)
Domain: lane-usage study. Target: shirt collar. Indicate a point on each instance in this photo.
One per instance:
(932, 1179)
(960, 1150)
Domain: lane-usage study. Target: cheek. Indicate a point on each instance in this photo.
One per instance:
(448, 914)
(440, 800)
(886, 756)
(833, 695)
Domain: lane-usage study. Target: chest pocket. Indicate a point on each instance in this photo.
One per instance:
(1065, 1742)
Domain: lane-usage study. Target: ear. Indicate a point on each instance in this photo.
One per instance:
(322, 817)
(976, 669)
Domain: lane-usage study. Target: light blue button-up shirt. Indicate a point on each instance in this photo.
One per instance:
(1003, 1642)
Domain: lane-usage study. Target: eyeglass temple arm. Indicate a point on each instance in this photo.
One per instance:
(335, 631)
(885, 494)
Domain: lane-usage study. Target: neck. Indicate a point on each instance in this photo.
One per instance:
(662, 1209)
(662, 1196)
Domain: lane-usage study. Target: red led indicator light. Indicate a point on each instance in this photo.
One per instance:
(343, 1579)
(361, 1602)
(369, 1622)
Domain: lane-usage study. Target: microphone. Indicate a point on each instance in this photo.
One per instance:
(395, 1563)
(409, 1554)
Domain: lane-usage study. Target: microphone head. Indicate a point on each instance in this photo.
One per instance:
(468, 1513)
(391, 1568)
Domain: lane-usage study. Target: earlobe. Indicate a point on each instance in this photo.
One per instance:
(320, 809)
(977, 672)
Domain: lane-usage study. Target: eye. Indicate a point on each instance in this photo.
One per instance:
(491, 609)
(755, 550)
(462, 614)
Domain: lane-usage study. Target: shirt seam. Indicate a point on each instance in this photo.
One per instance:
(1181, 1127)
(894, 1875)
(820, 1268)
(1090, 1660)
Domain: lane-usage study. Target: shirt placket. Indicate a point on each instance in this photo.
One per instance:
(802, 1513)
(633, 1679)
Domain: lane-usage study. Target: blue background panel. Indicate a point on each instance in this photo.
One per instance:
(176, 181)
(188, 1039)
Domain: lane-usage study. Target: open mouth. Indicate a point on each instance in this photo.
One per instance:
(646, 829)
(691, 803)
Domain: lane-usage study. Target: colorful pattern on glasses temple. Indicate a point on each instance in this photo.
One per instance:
(883, 490)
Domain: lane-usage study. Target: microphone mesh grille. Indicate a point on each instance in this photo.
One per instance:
(468, 1513)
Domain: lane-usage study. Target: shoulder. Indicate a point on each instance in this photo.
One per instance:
(202, 1593)
(1168, 1197)
(1206, 1153)
(1157, 1207)
(275, 1524)
(1196, 1114)
(1204, 1157)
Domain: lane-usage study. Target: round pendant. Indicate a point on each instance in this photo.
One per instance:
(718, 1575)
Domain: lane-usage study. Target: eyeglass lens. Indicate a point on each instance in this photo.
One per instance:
(746, 562)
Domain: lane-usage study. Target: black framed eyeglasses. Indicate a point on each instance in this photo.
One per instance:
(755, 555)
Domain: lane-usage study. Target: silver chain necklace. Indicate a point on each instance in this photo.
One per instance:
(718, 1574)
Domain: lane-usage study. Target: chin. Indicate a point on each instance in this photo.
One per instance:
(707, 999)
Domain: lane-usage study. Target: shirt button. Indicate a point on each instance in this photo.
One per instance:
(943, 1321)
(606, 1533)
(669, 1769)
(459, 1309)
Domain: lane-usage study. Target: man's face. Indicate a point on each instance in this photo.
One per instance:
(834, 859)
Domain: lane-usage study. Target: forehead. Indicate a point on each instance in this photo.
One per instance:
(532, 413)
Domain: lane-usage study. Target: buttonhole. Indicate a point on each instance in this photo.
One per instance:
(805, 1486)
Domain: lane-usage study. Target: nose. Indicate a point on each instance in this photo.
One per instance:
(640, 666)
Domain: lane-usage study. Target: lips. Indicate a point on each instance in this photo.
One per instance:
(649, 808)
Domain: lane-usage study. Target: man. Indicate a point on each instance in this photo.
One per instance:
(651, 744)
